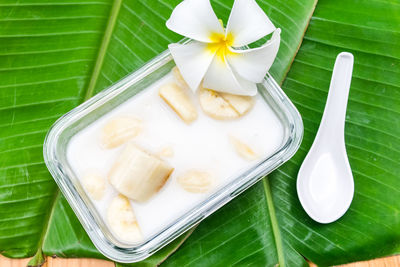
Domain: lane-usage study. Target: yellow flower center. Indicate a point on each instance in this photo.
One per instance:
(220, 45)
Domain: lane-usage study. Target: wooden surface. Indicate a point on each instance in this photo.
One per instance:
(58, 262)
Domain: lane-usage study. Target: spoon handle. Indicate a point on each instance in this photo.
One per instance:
(331, 129)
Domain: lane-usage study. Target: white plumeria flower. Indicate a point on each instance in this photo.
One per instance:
(212, 56)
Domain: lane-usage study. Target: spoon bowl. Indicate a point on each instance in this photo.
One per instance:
(325, 184)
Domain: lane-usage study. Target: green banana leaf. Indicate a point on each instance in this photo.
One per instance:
(56, 54)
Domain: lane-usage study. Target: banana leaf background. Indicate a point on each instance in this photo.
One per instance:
(56, 54)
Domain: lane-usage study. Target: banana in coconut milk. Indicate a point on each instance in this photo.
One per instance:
(164, 151)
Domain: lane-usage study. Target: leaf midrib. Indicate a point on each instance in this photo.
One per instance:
(38, 259)
(103, 48)
(274, 222)
(265, 181)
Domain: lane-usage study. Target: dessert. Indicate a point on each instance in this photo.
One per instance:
(94, 184)
(137, 174)
(178, 99)
(224, 106)
(195, 181)
(166, 150)
(120, 130)
(122, 220)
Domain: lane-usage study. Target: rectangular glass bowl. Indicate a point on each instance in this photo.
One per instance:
(55, 156)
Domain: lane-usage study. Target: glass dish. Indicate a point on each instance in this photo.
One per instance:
(55, 147)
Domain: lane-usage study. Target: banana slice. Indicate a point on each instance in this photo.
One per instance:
(195, 181)
(95, 185)
(179, 100)
(137, 174)
(119, 130)
(122, 220)
(243, 149)
(242, 104)
(178, 78)
(215, 106)
(166, 152)
(224, 106)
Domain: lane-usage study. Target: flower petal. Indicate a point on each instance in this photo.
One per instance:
(195, 19)
(220, 77)
(253, 64)
(248, 23)
(192, 60)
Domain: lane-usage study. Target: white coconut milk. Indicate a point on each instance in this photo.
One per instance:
(203, 145)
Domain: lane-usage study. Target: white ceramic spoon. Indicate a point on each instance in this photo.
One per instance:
(325, 184)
